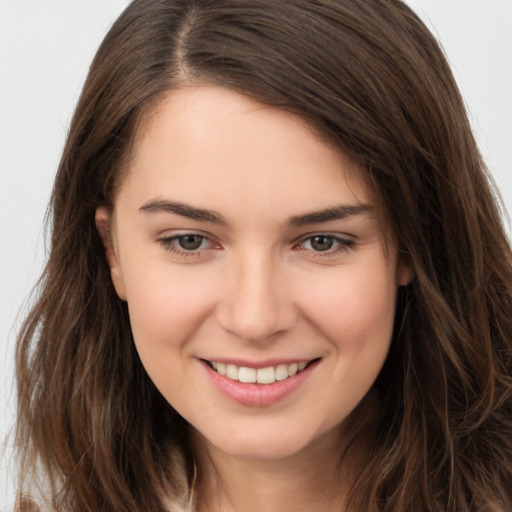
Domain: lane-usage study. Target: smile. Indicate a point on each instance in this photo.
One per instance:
(267, 375)
(259, 387)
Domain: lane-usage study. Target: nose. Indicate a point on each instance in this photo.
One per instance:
(256, 304)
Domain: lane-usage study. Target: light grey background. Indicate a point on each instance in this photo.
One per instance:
(45, 50)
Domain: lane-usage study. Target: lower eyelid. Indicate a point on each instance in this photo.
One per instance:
(336, 252)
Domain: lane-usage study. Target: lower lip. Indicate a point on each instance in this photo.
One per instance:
(258, 395)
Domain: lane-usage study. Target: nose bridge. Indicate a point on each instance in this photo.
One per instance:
(256, 304)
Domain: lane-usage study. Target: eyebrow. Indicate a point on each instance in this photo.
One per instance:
(330, 214)
(185, 210)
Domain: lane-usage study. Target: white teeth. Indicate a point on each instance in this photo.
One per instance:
(282, 372)
(247, 374)
(267, 375)
(232, 371)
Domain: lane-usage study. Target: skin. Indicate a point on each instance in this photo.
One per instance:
(256, 289)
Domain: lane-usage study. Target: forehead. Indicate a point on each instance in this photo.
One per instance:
(215, 146)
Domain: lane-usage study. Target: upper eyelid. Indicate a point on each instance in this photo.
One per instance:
(176, 233)
(344, 237)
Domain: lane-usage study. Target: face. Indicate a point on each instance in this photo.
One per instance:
(254, 264)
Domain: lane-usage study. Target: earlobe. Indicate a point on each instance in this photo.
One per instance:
(103, 220)
(405, 273)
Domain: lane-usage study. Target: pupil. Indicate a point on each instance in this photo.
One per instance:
(190, 242)
(322, 243)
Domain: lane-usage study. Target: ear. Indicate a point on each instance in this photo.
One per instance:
(104, 225)
(405, 271)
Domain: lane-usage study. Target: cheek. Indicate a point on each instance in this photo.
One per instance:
(165, 308)
(354, 308)
(356, 316)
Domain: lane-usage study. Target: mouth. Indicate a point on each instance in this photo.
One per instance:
(264, 376)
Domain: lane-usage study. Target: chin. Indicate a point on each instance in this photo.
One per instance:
(268, 449)
(262, 443)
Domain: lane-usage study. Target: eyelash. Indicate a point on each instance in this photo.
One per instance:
(340, 244)
(171, 244)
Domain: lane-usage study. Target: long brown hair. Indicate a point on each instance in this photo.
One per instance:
(369, 76)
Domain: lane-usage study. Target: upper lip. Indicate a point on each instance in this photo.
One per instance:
(259, 364)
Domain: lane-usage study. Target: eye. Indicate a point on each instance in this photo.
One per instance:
(325, 243)
(187, 244)
(190, 242)
(321, 242)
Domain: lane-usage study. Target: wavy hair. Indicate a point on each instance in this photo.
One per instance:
(369, 76)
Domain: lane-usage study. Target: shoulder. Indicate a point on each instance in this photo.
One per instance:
(179, 494)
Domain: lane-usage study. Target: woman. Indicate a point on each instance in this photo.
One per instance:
(278, 275)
